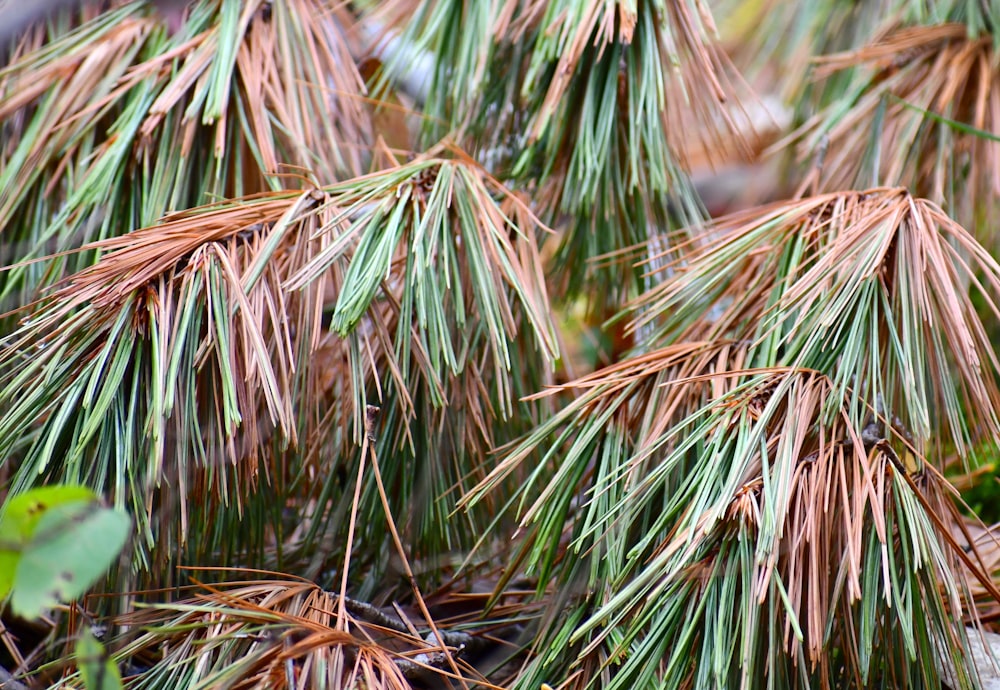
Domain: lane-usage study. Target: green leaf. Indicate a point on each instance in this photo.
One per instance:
(22, 513)
(20, 516)
(56, 542)
(98, 671)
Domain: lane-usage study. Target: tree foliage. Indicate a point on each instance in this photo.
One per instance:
(294, 284)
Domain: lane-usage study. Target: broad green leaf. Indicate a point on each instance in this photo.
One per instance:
(8, 566)
(72, 545)
(19, 518)
(22, 512)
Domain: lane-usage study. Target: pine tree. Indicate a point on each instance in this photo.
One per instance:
(301, 286)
